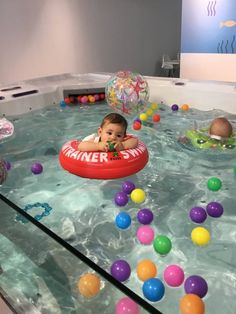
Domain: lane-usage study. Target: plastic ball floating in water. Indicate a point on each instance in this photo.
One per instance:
(145, 235)
(120, 270)
(215, 209)
(138, 196)
(121, 199)
(185, 107)
(174, 107)
(137, 126)
(214, 184)
(156, 118)
(146, 269)
(198, 214)
(36, 168)
(127, 92)
(162, 244)
(174, 275)
(192, 304)
(196, 285)
(89, 285)
(127, 306)
(145, 216)
(153, 289)
(123, 220)
(128, 187)
(200, 236)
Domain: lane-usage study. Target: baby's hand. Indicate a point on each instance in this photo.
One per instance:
(103, 146)
(119, 146)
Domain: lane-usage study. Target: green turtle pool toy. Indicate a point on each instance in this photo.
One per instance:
(200, 139)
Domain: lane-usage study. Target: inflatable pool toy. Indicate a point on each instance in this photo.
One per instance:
(102, 165)
(201, 139)
(127, 92)
(46, 211)
(6, 128)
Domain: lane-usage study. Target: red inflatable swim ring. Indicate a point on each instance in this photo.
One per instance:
(103, 165)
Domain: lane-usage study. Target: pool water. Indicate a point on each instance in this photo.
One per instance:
(175, 180)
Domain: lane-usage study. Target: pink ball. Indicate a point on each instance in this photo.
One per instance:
(173, 275)
(84, 100)
(127, 306)
(145, 234)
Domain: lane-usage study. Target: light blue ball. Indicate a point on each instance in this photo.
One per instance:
(123, 220)
(153, 289)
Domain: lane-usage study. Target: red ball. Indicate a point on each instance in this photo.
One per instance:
(137, 125)
(79, 98)
(156, 118)
(67, 100)
(102, 96)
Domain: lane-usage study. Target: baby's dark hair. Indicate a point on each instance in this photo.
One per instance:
(115, 118)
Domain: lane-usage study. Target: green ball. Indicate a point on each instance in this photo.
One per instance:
(214, 184)
(235, 169)
(162, 245)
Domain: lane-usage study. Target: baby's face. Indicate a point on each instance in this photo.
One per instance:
(112, 132)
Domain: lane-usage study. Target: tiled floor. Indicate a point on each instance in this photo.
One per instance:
(4, 309)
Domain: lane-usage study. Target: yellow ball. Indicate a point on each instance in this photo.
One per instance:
(138, 196)
(154, 106)
(200, 236)
(143, 117)
(149, 112)
(185, 107)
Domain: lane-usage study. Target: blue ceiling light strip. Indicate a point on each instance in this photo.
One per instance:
(148, 307)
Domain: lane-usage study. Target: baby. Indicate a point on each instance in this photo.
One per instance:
(111, 136)
(220, 129)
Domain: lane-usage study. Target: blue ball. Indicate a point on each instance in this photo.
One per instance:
(153, 289)
(123, 220)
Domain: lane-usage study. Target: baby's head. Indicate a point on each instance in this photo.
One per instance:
(220, 128)
(113, 127)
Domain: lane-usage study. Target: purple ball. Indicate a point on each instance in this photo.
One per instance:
(145, 216)
(7, 165)
(138, 120)
(198, 215)
(36, 168)
(214, 209)
(128, 187)
(120, 270)
(121, 199)
(196, 285)
(175, 107)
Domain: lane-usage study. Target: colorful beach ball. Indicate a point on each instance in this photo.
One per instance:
(127, 92)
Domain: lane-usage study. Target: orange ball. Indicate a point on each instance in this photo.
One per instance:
(91, 98)
(185, 107)
(156, 118)
(192, 304)
(89, 285)
(146, 269)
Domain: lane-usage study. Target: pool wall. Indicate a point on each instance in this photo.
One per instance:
(21, 97)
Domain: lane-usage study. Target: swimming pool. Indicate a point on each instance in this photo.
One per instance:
(83, 211)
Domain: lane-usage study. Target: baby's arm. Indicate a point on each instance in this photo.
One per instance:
(129, 143)
(88, 146)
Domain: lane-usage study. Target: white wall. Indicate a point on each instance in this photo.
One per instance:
(45, 37)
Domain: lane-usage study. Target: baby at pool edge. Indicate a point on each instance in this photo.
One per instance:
(112, 131)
